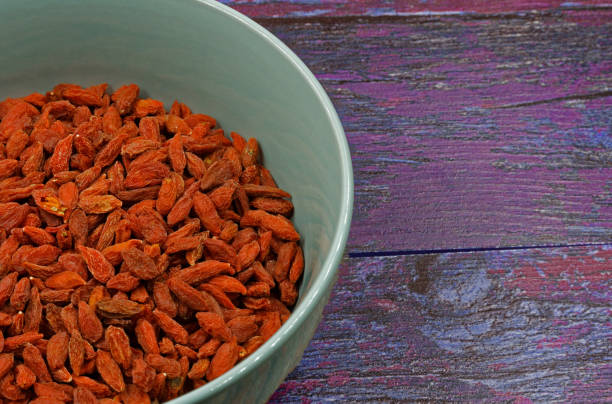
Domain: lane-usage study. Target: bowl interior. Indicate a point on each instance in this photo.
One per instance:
(218, 63)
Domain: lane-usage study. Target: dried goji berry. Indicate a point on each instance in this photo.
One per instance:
(208, 254)
(64, 280)
(144, 107)
(197, 300)
(118, 308)
(98, 204)
(57, 350)
(60, 160)
(89, 324)
(224, 360)
(139, 264)
(145, 334)
(98, 265)
(170, 367)
(214, 325)
(150, 174)
(173, 329)
(124, 97)
(110, 371)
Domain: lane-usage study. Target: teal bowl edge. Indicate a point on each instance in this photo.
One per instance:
(322, 286)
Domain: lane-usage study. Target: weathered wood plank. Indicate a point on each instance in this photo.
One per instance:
(470, 133)
(304, 8)
(502, 325)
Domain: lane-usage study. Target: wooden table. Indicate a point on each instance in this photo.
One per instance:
(479, 265)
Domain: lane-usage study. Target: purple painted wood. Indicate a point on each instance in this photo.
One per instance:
(335, 8)
(490, 327)
(476, 126)
(470, 133)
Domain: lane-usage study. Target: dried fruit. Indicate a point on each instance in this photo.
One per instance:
(57, 350)
(124, 282)
(198, 369)
(207, 212)
(35, 362)
(138, 248)
(143, 375)
(82, 395)
(99, 389)
(60, 159)
(110, 371)
(145, 175)
(98, 265)
(47, 200)
(297, 267)
(173, 329)
(168, 193)
(247, 255)
(163, 299)
(243, 327)
(7, 283)
(76, 352)
(145, 333)
(6, 363)
(99, 204)
(119, 344)
(203, 270)
(209, 348)
(139, 264)
(124, 98)
(21, 294)
(134, 395)
(89, 323)
(193, 298)
(225, 358)
(182, 207)
(218, 172)
(80, 96)
(18, 341)
(16, 143)
(110, 151)
(65, 280)
(24, 377)
(148, 106)
(168, 366)
(219, 250)
(175, 148)
(273, 205)
(228, 284)
(118, 308)
(113, 253)
(214, 325)
(279, 225)
(283, 261)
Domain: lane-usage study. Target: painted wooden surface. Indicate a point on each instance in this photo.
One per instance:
(479, 265)
(470, 133)
(335, 8)
(494, 326)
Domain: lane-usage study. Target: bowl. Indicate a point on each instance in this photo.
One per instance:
(220, 63)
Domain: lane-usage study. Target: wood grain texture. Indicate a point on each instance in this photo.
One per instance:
(335, 8)
(470, 133)
(473, 125)
(491, 326)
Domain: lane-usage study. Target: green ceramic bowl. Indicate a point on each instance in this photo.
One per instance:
(221, 63)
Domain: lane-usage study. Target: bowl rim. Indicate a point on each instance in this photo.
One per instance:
(331, 263)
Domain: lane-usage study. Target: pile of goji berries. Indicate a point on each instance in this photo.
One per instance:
(142, 253)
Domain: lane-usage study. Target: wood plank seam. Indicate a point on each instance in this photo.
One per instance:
(391, 253)
(431, 16)
(573, 97)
